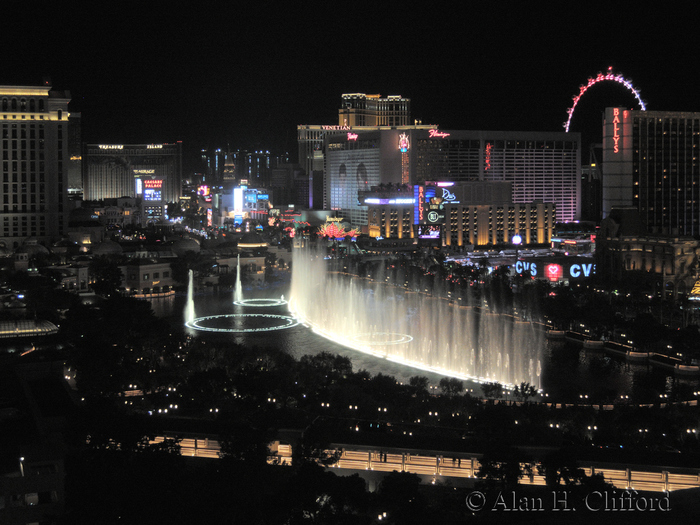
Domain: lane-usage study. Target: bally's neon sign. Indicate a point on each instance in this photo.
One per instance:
(616, 129)
(352, 136)
(421, 202)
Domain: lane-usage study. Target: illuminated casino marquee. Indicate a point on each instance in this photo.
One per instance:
(152, 183)
(374, 200)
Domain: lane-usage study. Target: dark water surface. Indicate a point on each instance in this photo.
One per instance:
(569, 372)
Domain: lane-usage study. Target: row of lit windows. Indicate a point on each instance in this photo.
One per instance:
(22, 104)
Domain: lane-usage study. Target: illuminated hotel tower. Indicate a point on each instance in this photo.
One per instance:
(114, 170)
(35, 157)
(151, 172)
(650, 162)
(359, 109)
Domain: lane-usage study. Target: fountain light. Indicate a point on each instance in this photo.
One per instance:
(199, 323)
(260, 303)
(414, 329)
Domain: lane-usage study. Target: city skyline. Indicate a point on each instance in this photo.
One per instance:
(247, 76)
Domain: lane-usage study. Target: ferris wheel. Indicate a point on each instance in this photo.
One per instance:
(592, 81)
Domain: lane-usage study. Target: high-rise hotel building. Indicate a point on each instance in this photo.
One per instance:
(651, 162)
(151, 172)
(542, 167)
(357, 111)
(35, 156)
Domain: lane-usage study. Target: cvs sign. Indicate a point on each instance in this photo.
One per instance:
(524, 266)
(578, 270)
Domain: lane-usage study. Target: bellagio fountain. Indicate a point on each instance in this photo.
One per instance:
(415, 329)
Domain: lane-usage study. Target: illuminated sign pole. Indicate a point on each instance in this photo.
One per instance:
(403, 148)
(487, 160)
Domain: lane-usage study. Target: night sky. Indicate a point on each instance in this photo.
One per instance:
(218, 73)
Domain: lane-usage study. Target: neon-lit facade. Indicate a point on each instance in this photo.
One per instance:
(358, 112)
(390, 211)
(498, 223)
(352, 167)
(542, 166)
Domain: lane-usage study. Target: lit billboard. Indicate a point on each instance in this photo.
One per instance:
(574, 269)
(429, 231)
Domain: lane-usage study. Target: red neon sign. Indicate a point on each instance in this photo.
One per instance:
(487, 161)
(352, 136)
(421, 206)
(152, 183)
(438, 134)
(553, 272)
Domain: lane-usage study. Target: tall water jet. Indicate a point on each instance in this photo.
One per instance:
(189, 306)
(415, 329)
(238, 289)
